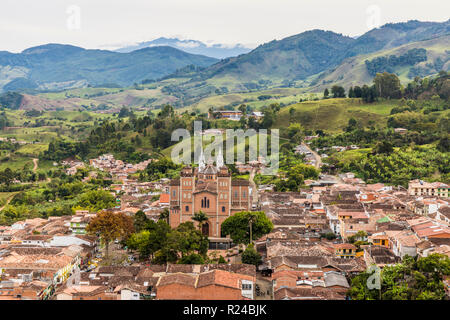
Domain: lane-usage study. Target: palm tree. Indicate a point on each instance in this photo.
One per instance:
(164, 215)
(201, 218)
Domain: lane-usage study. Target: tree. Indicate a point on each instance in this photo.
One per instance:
(387, 85)
(351, 93)
(185, 240)
(291, 114)
(238, 226)
(243, 108)
(412, 279)
(193, 258)
(201, 218)
(357, 92)
(352, 125)
(251, 256)
(140, 221)
(338, 91)
(96, 200)
(164, 215)
(383, 147)
(326, 93)
(111, 226)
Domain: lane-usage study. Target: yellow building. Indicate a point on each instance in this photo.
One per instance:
(380, 240)
(345, 250)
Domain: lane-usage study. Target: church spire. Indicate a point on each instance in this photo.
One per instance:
(219, 160)
(201, 161)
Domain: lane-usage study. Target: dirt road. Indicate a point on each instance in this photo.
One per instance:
(315, 155)
(35, 162)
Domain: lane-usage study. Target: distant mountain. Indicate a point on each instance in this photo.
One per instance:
(218, 51)
(61, 66)
(296, 60)
(396, 34)
(291, 58)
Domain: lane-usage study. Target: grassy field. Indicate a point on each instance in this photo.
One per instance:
(15, 162)
(332, 115)
(279, 95)
(70, 125)
(205, 143)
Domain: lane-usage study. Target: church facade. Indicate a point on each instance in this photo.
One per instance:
(211, 189)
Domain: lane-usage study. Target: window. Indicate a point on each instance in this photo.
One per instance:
(205, 203)
(246, 286)
(223, 209)
(174, 193)
(187, 208)
(243, 194)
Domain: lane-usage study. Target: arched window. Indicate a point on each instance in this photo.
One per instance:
(205, 203)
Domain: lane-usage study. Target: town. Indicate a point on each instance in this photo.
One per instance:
(320, 238)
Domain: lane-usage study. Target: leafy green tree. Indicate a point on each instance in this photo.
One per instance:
(164, 215)
(383, 147)
(352, 125)
(412, 279)
(326, 93)
(238, 226)
(387, 85)
(251, 256)
(338, 91)
(140, 221)
(96, 200)
(193, 258)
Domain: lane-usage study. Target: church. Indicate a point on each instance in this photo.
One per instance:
(211, 189)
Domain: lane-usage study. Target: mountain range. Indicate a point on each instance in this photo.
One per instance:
(55, 66)
(218, 51)
(310, 60)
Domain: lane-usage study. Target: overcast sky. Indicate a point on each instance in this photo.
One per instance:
(113, 23)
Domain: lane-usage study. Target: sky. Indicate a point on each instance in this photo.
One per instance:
(110, 24)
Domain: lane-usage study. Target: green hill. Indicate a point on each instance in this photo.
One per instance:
(332, 115)
(354, 71)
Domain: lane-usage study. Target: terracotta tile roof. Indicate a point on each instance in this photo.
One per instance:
(164, 198)
(344, 246)
(179, 278)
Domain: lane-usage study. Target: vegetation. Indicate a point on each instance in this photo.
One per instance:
(241, 224)
(110, 226)
(251, 256)
(413, 279)
(161, 244)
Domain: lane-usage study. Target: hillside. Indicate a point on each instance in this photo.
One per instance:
(396, 34)
(301, 60)
(354, 71)
(55, 66)
(333, 114)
